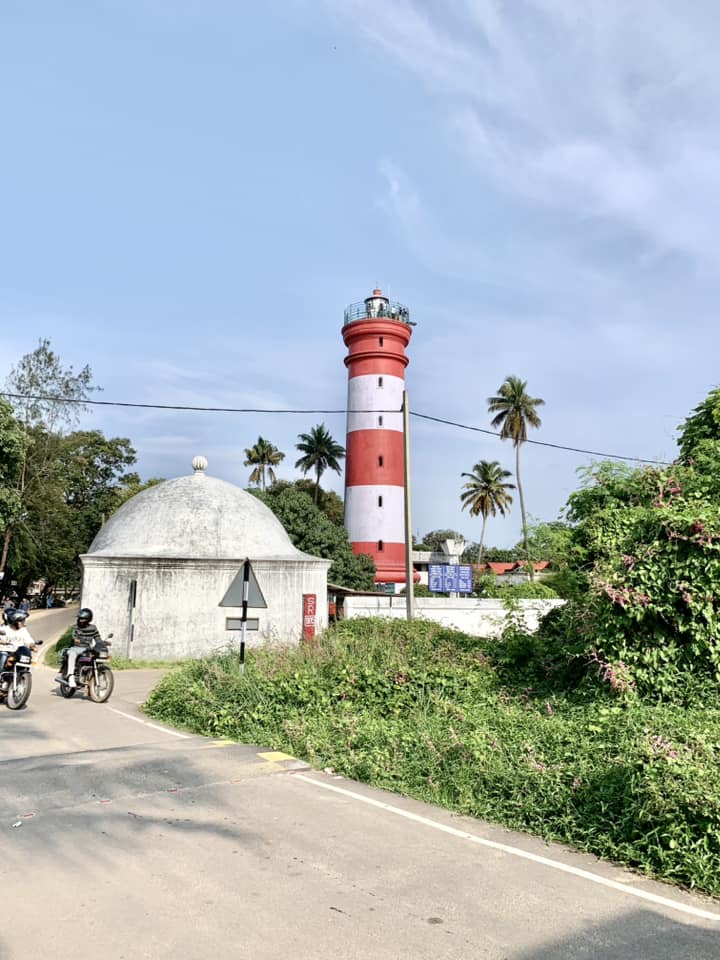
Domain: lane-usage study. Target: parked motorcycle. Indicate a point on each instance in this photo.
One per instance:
(16, 677)
(92, 673)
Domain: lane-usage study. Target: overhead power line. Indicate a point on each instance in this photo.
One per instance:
(539, 443)
(420, 416)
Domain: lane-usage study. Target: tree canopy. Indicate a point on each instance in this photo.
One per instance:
(320, 453)
(263, 456)
(433, 539)
(702, 424)
(515, 410)
(486, 493)
(312, 531)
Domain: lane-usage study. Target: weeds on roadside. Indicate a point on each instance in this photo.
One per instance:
(435, 714)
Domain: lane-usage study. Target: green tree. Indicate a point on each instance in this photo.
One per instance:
(313, 532)
(433, 540)
(130, 488)
(80, 486)
(47, 398)
(515, 410)
(320, 453)
(12, 450)
(702, 424)
(486, 494)
(93, 472)
(548, 540)
(329, 502)
(263, 456)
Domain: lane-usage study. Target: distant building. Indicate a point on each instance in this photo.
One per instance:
(162, 564)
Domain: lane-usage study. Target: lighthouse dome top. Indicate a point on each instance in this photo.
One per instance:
(194, 517)
(377, 307)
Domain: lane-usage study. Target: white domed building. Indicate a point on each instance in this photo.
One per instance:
(176, 548)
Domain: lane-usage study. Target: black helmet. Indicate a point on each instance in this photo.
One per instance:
(85, 615)
(16, 616)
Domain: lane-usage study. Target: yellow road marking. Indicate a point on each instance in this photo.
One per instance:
(275, 757)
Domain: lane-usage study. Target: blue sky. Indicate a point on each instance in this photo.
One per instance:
(194, 189)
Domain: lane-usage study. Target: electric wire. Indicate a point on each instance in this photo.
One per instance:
(421, 416)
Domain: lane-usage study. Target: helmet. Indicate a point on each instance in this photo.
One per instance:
(16, 616)
(85, 615)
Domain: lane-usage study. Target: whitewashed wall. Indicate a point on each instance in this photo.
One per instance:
(478, 618)
(177, 613)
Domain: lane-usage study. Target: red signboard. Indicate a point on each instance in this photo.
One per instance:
(309, 613)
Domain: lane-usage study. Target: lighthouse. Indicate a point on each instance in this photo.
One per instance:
(376, 332)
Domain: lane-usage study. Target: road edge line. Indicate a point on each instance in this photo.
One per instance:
(517, 852)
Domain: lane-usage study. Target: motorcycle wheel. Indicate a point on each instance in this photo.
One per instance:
(101, 688)
(66, 691)
(18, 696)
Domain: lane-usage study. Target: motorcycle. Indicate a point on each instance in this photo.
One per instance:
(92, 673)
(16, 678)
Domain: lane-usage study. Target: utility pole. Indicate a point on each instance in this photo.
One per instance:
(409, 588)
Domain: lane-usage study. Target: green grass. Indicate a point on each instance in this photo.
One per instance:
(421, 710)
(117, 662)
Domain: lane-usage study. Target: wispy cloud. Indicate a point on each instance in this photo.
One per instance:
(601, 109)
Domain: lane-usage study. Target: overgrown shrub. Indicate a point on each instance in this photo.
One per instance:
(487, 587)
(421, 710)
(649, 543)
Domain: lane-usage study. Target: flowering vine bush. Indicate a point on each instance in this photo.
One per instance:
(648, 544)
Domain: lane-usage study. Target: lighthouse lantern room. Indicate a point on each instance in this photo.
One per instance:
(376, 333)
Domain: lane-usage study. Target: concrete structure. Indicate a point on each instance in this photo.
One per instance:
(450, 553)
(376, 333)
(182, 543)
(478, 618)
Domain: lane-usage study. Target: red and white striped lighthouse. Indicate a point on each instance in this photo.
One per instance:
(376, 332)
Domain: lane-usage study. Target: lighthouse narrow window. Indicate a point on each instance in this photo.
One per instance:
(379, 501)
(380, 460)
(380, 340)
(380, 420)
(380, 382)
(380, 544)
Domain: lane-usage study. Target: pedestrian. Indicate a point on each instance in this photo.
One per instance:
(48, 601)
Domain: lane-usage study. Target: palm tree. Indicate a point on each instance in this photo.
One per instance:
(320, 452)
(514, 412)
(263, 456)
(486, 493)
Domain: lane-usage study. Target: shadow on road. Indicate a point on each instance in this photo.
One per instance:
(634, 936)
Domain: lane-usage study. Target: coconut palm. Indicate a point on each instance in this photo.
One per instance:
(263, 457)
(515, 411)
(486, 493)
(320, 453)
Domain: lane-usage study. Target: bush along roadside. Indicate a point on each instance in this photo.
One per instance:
(428, 712)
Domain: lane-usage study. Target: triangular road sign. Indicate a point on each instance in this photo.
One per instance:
(234, 595)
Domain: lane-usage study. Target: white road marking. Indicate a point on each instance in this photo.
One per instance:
(153, 726)
(518, 852)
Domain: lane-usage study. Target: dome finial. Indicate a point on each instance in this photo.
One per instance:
(199, 465)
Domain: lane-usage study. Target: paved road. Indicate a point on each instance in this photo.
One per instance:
(140, 842)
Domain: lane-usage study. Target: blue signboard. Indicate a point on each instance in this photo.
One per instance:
(450, 578)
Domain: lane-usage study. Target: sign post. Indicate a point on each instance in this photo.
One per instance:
(243, 592)
(132, 600)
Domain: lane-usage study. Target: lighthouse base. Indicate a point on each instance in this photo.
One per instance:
(389, 562)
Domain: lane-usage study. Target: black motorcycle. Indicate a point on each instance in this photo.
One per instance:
(92, 673)
(15, 677)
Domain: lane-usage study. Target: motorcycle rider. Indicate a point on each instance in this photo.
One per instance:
(14, 635)
(84, 637)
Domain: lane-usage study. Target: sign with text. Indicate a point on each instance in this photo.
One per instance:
(309, 615)
(450, 578)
